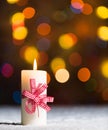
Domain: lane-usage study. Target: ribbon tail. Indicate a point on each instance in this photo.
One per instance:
(48, 99)
(44, 106)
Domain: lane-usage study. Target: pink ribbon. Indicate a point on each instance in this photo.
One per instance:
(35, 98)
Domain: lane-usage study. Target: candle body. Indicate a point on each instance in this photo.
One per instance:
(26, 118)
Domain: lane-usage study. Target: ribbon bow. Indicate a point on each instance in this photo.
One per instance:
(35, 98)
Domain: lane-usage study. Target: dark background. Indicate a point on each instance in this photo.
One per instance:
(92, 50)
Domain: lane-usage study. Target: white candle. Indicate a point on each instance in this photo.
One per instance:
(40, 77)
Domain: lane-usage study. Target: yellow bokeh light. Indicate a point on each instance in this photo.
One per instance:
(57, 63)
(29, 12)
(102, 12)
(17, 18)
(104, 68)
(62, 75)
(44, 29)
(30, 54)
(84, 74)
(12, 1)
(102, 33)
(20, 33)
(68, 40)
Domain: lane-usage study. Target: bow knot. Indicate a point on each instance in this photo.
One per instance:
(35, 98)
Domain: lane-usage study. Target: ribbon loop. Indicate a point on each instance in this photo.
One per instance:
(35, 98)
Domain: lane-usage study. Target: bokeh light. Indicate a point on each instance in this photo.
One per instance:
(42, 19)
(101, 43)
(30, 53)
(102, 33)
(57, 63)
(17, 18)
(18, 24)
(105, 94)
(102, 12)
(83, 29)
(18, 42)
(22, 51)
(59, 16)
(104, 68)
(91, 85)
(12, 1)
(7, 70)
(77, 4)
(17, 97)
(75, 59)
(22, 2)
(20, 33)
(87, 9)
(62, 75)
(29, 12)
(48, 78)
(43, 44)
(43, 29)
(68, 40)
(43, 58)
(84, 74)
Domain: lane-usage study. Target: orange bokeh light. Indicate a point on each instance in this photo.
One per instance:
(29, 12)
(87, 9)
(43, 29)
(84, 74)
(75, 59)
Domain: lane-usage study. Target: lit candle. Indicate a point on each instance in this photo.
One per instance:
(34, 102)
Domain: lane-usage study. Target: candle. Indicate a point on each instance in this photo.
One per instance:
(33, 106)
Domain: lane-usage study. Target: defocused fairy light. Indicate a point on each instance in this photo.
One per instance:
(29, 12)
(30, 54)
(62, 75)
(59, 16)
(78, 4)
(87, 9)
(105, 94)
(22, 51)
(43, 19)
(43, 44)
(12, 1)
(48, 78)
(43, 58)
(17, 18)
(101, 43)
(22, 2)
(20, 33)
(84, 74)
(7, 70)
(43, 29)
(75, 59)
(91, 85)
(104, 68)
(17, 97)
(18, 42)
(57, 63)
(102, 33)
(68, 40)
(102, 12)
(83, 29)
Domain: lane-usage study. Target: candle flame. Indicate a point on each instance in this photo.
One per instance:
(35, 65)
